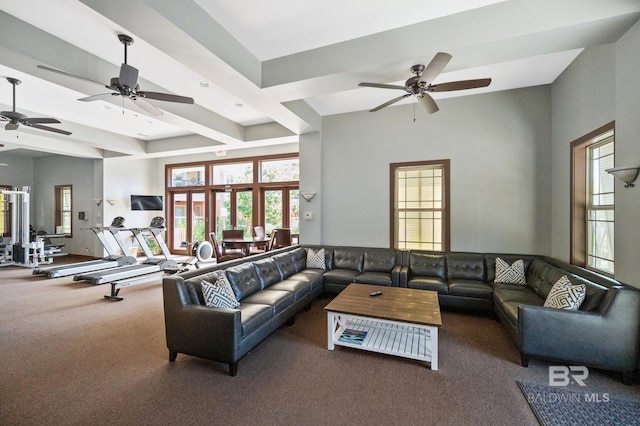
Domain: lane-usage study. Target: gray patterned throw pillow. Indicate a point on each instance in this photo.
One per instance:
(564, 295)
(220, 294)
(315, 259)
(510, 274)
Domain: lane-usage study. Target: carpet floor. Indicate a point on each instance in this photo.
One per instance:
(72, 357)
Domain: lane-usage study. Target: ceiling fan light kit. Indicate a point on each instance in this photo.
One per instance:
(420, 85)
(126, 85)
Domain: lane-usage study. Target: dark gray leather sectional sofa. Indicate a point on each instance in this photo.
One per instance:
(604, 333)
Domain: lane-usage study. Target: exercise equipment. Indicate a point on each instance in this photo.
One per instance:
(114, 259)
(201, 251)
(19, 248)
(149, 266)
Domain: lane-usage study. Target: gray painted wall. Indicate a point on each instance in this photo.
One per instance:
(499, 147)
(600, 86)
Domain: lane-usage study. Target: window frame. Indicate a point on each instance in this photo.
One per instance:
(60, 210)
(445, 165)
(579, 187)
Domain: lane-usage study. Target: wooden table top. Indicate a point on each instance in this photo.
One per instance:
(395, 304)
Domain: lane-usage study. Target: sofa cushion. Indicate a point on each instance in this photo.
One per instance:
(315, 259)
(466, 266)
(470, 288)
(279, 300)
(523, 295)
(564, 295)
(594, 293)
(299, 257)
(379, 260)
(285, 264)
(253, 316)
(348, 258)
(510, 274)
(375, 278)
(297, 284)
(427, 265)
(244, 280)
(267, 271)
(429, 283)
(219, 294)
(541, 276)
(340, 276)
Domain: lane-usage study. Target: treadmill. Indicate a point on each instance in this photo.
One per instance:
(112, 260)
(149, 266)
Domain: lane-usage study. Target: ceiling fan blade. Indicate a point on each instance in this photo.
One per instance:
(435, 67)
(11, 126)
(392, 101)
(145, 105)
(69, 75)
(381, 86)
(428, 103)
(99, 97)
(128, 76)
(165, 97)
(460, 85)
(49, 129)
(32, 120)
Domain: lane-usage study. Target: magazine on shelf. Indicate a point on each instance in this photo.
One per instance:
(352, 336)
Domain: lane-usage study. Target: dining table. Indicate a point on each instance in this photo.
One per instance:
(244, 243)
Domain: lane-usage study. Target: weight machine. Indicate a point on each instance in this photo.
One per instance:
(19, 249)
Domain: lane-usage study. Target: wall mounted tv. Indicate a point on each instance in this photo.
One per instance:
(146, 202)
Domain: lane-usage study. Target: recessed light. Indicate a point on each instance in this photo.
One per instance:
(204, 84)
(239, 104)
(105, 106)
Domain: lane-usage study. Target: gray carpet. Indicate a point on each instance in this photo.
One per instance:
(72, 357)
(555, 406)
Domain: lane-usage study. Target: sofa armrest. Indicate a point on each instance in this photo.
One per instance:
(403, 276)
(211, 333)
(395, 275)
(608, 338)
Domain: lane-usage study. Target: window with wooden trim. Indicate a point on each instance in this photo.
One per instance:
(63, 214)
(420, 205)
(593, 201)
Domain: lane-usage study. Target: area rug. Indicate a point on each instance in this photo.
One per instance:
(555, 406)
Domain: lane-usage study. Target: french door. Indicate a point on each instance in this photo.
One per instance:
(189, 219)
(233, 209)
(281, 209)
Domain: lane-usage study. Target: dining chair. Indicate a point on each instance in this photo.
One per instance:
(282, 238)
(259, 234)
(232, 233)
(216, 248)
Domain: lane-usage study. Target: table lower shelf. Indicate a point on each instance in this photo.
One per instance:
(413, 341)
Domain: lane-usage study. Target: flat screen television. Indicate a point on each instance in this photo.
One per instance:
(146, 202)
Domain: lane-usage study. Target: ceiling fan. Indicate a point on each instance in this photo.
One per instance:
(15, 119)
(420, 85)
(126, 85)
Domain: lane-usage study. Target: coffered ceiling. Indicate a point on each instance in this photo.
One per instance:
(265, 72)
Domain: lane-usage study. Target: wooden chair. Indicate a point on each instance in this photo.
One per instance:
(281, 237)
(232, 233)
(259, 234)
(219, 256)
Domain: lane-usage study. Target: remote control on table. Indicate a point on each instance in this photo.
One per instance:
(375, 293)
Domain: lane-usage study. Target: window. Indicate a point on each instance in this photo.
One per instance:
(600, 203)
(419, 200)
(63, 209)
(592, 205)
(235, 193)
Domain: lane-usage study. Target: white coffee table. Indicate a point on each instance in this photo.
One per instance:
(402, 322)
